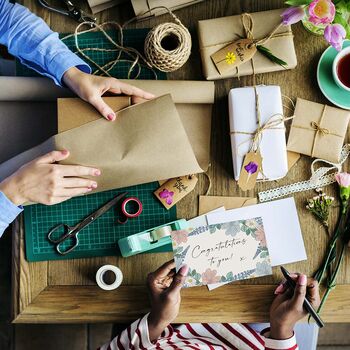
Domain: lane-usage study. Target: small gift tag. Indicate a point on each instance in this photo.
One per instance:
(175, 189)
(252, 164)
(233, 55)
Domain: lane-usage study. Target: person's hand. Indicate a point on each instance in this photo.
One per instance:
(164, 286)
(43, 181)
(287, 308)
(90, 88)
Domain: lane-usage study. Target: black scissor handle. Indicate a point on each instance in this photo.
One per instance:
(74, 244)
(67, 233)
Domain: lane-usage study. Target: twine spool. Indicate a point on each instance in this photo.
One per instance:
(168, 46)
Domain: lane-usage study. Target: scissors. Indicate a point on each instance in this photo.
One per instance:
(70, 233)
(71, 11)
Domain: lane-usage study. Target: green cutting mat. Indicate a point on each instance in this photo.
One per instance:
(132, 38)
(99, 238)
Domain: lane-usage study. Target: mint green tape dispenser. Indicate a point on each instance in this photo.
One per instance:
(150, 239)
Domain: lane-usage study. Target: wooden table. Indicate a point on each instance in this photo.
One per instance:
(65, 291)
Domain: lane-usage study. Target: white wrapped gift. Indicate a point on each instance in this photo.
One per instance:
(243, 125)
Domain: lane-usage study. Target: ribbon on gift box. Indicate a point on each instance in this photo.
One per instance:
(319, 130)
(321, 177)
(242, 50)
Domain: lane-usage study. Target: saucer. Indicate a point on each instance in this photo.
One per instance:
(329, 88)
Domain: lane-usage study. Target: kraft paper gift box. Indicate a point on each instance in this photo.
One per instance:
(243, 124)
(318, 130)
(214, 34)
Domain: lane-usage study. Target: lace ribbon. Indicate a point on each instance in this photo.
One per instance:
(321, 177)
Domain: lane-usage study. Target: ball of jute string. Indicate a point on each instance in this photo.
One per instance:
(168, 46)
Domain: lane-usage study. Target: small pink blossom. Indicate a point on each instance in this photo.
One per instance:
(180, 236)
(292, 15)
(209, 276)
(260, 236)
(343, 179)
(167, 196)
(321, 12)
(335, 35)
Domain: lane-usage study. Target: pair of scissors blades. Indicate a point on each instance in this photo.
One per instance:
(70, 233)
(71, 10)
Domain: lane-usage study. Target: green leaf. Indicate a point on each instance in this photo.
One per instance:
(297, 2)
(267, 53)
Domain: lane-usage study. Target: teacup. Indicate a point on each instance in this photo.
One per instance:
(341, 69)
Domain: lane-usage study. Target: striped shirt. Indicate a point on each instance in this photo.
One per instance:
(201, 336)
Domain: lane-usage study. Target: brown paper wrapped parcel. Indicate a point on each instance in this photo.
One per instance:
(214, 34)
(147, 142)
(318, 130)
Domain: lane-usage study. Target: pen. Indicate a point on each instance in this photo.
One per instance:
(308, 307)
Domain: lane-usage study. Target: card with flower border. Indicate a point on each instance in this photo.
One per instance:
(226, 252)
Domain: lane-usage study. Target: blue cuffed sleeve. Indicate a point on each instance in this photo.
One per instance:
(8, 212)
(30, 39)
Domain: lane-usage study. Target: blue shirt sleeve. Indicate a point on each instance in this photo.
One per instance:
(8, 212)
(30, 39)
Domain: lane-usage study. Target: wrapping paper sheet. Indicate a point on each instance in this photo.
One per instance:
(195, 120)
(243, 118)
(214, 34)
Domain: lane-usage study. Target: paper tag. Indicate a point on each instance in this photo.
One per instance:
(175, 189)
(233, 55)
(252, 164)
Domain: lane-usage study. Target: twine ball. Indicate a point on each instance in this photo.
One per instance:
(168, 46)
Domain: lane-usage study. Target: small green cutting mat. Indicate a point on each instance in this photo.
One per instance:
(99, 238)
(134, 38)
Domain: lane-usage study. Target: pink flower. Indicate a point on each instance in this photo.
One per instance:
(167, 196)
(335, 35)
(321, 12)
(292, 15)
(260, 236)
(343, 180)
(180, 236)
(209, 276)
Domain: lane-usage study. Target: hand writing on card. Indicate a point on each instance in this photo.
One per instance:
(164, 287)
(287, 308)
(43, 181)
(90, 88)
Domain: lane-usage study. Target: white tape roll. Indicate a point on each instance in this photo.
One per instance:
(101, 273)
(161, 232)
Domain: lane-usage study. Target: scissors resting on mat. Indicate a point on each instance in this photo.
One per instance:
(71, 232)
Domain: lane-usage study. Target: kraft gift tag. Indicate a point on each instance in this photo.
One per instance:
(175, 189)
(252, 164)
(233, 55)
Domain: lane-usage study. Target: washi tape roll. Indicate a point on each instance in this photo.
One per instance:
(101, 277)
(161, 232)
(130, 215)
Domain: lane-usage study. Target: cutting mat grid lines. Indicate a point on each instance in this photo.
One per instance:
(132, 38)
(99, 238)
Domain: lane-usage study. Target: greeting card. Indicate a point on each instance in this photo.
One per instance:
(226, 252)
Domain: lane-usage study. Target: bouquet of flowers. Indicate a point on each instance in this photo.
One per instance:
(327, 17)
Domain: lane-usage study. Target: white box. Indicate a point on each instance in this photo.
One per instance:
(243, 118)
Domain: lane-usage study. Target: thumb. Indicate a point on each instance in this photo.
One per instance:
(53, 157)
(106, 111)
(300, 292)
(178, 280)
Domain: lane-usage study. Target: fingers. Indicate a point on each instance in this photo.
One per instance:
(71, 192)
(119, 87)
(77, 170)
(53, 157)
(178, 280)
(300, 292)
(106, 111)
(313, 293)
(75, 182)
(164, 270)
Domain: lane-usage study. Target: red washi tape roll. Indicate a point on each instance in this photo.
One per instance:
(127, 215)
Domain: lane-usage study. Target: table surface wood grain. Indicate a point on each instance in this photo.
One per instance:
(65, 291)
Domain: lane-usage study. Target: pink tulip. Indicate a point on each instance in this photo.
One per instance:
(321, 12)
(292, 15)
(343, 179)
(335, 35)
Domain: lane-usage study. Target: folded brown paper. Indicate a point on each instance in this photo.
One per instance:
(318, 130)
(214, 34)
(147, 142)
(208, 203)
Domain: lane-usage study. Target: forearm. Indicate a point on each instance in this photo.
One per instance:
(29, 38)
(155, 327)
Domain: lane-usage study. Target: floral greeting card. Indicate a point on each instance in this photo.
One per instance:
(226, 252)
